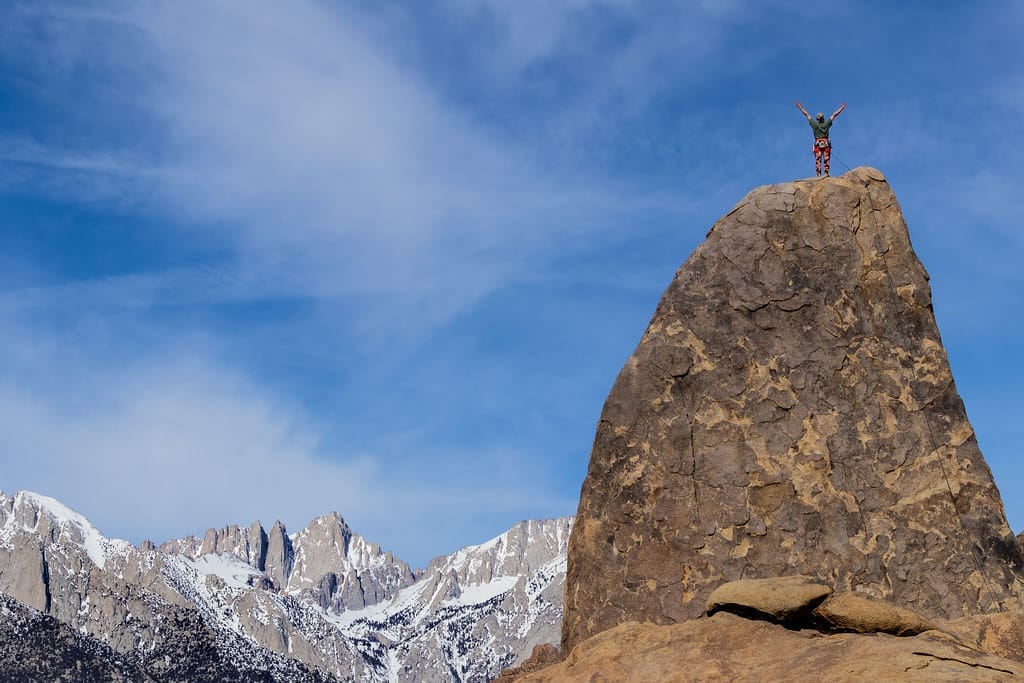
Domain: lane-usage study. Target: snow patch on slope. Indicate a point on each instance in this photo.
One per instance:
(475, 594)
(234, 572)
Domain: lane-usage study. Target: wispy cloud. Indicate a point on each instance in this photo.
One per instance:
(291, 134)
(30, 153)
(198, 285)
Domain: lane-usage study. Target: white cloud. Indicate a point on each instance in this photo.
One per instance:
(165, 446)
(286, 123)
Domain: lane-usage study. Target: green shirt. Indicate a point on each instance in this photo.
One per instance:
(820, 128)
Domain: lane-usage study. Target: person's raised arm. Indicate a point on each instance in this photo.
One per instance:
(840, 110)
(803, 111)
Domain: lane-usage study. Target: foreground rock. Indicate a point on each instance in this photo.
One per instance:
(801, 602)
(728, 647)
(790, 409)
(999, 634)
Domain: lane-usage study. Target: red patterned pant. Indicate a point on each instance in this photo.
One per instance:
(822, 152)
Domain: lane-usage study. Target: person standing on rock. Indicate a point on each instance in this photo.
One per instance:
(822, 145)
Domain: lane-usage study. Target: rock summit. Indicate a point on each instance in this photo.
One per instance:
(790, 410)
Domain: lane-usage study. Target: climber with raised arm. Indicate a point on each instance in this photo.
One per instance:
(822, 145)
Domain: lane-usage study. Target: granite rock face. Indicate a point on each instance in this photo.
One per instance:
(342, 569)
(790, 410)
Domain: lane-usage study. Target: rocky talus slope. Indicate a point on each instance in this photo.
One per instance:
(789, 410)
(246, 604)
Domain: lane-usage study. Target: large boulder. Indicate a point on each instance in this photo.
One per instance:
(790, 410)
(781, 599)
(849, 611)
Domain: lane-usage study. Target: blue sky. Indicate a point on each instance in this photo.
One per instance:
(265, 260)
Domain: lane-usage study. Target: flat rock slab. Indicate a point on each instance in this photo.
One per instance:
(849, 611)
(726, 647)
(782, 598)
(999, 634)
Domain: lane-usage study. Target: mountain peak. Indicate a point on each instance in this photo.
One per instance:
(30, 511)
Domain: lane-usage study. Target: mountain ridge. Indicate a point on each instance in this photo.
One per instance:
(323, 597)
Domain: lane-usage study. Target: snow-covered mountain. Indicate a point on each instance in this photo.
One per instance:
(326, 561)
(473, 613)
(319, 604)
